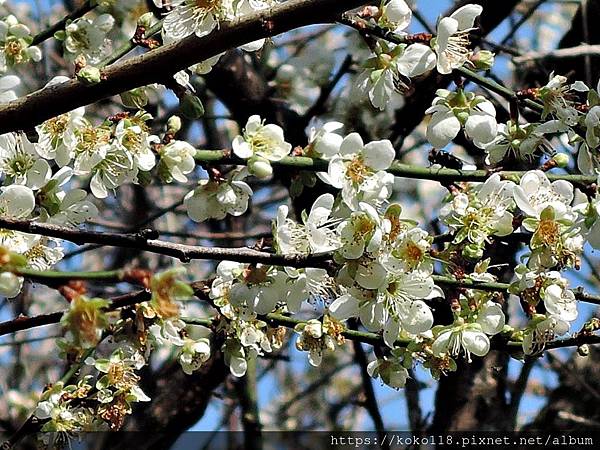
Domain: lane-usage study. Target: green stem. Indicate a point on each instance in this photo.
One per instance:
(55, 275)
(494, 286)
(366, 337)
(76, 366)
(398, 169)
(491, 85)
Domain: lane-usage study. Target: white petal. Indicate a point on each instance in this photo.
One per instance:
(466, 15)
(419, 318)
(476, 342)
(443, 127)
(344, 307)
(416, 60)
(379, 154)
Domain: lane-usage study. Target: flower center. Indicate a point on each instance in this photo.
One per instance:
(57, 125)
(90, 138)
(17, 164)
(363, 226)
(13, 50)
(548, 230)
(458, 48)
(412, 253)
(356, 170)
(261, 143)
(132, 141)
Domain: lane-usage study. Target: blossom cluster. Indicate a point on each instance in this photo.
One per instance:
(380, 269)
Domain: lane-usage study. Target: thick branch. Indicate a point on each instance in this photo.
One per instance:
(183, 252)
(154, 66)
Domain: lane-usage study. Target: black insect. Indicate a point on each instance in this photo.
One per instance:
(445, 159)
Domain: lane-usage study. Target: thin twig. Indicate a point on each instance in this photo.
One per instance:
(86, 7)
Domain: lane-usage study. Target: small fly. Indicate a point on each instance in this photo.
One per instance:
(445, 159)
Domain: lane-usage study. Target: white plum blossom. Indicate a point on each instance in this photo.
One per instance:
(520, 141)
(91, 147)
(178, 158)
(194, 354)
(359, 171)
(405, 309)
(116, 167)
(15, 40)
(57, 136)
(201, 17)
(452, 111)
(557, 100)
(395, 15)
(215, 198)
(16, 201)
(307, 284)
(408, 252)
(465, 338)
(491, 318)
(196, 17)
(262, 140)
(314, 235)
(535, 193)
(133, 136)
(560, 302)
(390, 370)
(7, 84)
(362, 231)
(452, 44)
(87, 38)
(482, 212)
(323, 141)
(65, 207)
(314, 340)
(20, 162)
(540, 330)
(383, 73)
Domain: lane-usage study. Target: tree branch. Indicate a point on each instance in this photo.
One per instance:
(443, 175)
(86, 7)
(183, 252)
(24, 323)
(155, 65)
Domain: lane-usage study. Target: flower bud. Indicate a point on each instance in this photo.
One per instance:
(260, 167)
(472, 252)
(89, 75)
(561, 160)
(174, 124)
(191, 107)
(135, 98)
(145, 20)
(583, 350)
(483, 60)
(462, 116)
